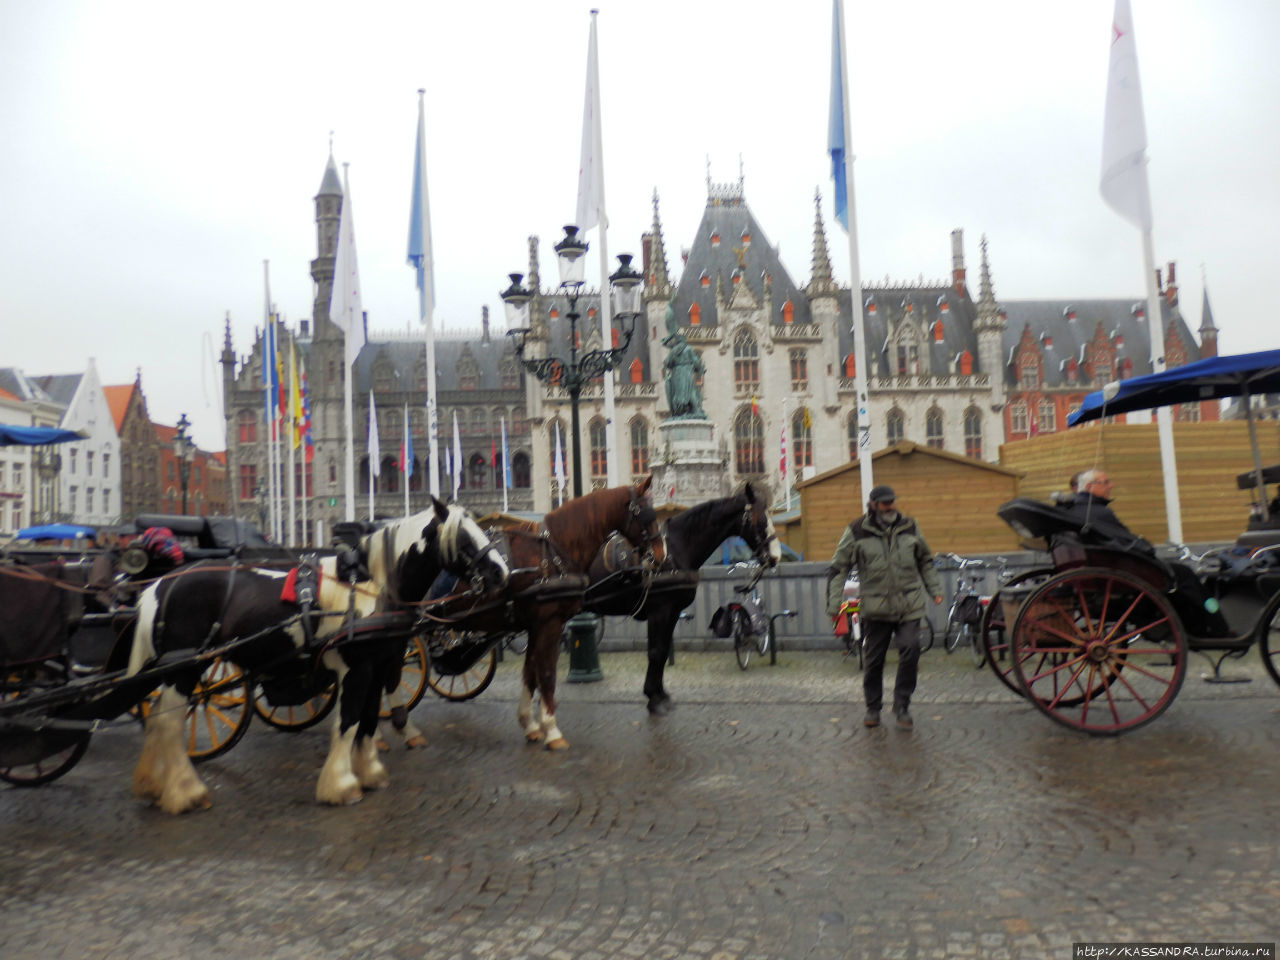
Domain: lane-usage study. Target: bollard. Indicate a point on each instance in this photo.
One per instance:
(584, 652)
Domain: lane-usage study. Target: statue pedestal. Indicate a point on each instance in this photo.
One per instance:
(691, 469)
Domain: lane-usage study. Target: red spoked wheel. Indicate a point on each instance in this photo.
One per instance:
(1098, 650)
(995, 628)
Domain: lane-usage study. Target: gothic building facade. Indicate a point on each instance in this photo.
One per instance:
(944, 369)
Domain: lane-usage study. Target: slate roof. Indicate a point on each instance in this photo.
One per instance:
(331, 183)
(60, 387)
(558, 330)
(1068, 336)
(404, 356)
(21, 386)
(730, 217)
(926, 303)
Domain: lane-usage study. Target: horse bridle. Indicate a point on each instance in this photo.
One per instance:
(636, 508)
(761, 551)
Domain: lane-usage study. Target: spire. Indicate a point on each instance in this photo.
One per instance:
(1208, 332)
(986, 296)
(820, 281)
(656, 282)
(331, 183)
(535, 280)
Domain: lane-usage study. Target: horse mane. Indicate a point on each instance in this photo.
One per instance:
(579, 526)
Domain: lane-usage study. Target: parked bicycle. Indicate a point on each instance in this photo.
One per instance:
(968, 606)
(753, 629)
(849, 629)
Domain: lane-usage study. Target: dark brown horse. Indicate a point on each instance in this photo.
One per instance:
(548, 574)
(690, 539)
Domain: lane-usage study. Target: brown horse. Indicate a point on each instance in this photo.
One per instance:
(548, 574)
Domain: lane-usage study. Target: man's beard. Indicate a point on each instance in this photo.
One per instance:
(888, 517)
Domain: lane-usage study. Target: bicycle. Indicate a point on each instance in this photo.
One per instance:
(753, 629)
(968, 605)
(849, 629)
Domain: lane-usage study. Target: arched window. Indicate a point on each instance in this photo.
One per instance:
(1018, 417)
(599, 451)
(520, 471)
(476, 471)
(895, 426)
(383, 376)
(468, 373)
(1046, 416)
(933, 428)
(247, 426)
(479, 422)
(362, 472)
(853, 434)
(801, 439)
(390, 422)
(1029, 374)
(639, 447)
(973, 433)
(746, 361)
(748, 442)
(799, 369)
(509, 374)
(389, 482)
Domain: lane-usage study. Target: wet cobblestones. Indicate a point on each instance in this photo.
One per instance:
(760, 820)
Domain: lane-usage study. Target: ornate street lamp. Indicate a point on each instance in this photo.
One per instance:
(184, 451)
(577, 369)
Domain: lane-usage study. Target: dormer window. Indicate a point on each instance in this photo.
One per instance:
(715, 238)
(704, 280)
(695, 315)
(788, 312)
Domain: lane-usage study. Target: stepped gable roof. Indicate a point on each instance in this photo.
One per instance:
(60, 387)
(1069, 335)
(728, 217)
(927, 302)
(558, 329)
(405, 355)
(118, 401)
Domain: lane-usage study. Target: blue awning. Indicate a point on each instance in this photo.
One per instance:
(34, 436)
(56, 531)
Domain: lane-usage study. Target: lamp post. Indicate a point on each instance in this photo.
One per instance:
(184, 449)
(573, 372)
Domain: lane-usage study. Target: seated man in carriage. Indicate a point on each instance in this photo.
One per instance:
(1099, 524)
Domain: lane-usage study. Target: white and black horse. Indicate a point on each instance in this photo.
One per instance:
(210, 605)
(690, 539)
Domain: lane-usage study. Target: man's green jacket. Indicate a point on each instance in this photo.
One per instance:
(896, 576)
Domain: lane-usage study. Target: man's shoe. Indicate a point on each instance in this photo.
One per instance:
(872, 719)
(903, 719)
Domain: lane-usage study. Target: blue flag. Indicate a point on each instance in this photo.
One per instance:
(420, 256)
(835, 127)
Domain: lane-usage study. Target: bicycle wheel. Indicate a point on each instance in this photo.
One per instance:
(765, 640)
(926, 636)
(743, 643)
(955, 630)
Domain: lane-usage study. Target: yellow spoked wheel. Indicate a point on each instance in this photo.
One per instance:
(413, 677)
(218, 712)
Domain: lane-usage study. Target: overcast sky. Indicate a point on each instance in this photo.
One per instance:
(156, 153)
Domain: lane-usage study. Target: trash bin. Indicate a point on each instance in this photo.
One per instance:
(584, 648)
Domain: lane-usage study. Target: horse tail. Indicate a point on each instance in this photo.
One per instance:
(143, 649)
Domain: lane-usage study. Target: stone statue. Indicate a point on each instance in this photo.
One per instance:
(681, 370)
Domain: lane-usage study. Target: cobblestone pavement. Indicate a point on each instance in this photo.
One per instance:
(760, 820)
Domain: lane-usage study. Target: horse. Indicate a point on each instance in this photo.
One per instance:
(253, 611)
(690, 539)
(548, 574)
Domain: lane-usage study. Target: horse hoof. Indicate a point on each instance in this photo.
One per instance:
(348, 797)
(383, 746)
(533, 736)
(559, 743)
(177, 805)
(415, 742)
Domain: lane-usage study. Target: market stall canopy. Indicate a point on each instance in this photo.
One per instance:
(34, 436)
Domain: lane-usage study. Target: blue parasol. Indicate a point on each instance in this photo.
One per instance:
(34, 436)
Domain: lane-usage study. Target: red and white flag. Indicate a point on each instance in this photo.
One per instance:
(1124, 132)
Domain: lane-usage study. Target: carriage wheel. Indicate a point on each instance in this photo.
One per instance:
(743, 643)
(1098, 650)
(994, 633)
(47, 768)
(1269, 640)
(218, 710)
(294, 717)
(413, 676)
(469, 683)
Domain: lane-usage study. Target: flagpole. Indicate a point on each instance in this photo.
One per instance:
(421, 255)
(861, 356)
(1164, 419)
(350, 318)
(506, 464)
(405, 466)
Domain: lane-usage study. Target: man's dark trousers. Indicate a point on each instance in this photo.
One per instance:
(876, 637)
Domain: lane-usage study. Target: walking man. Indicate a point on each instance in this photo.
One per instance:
(896, 576)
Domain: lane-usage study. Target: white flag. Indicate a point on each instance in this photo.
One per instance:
(458, 465)
(375, 446)
(559, 465)
(1124, 132)
(590, 168)
(346, 310)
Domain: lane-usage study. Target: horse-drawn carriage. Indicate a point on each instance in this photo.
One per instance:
(1099, 640)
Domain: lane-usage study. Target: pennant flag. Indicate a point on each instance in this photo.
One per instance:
(782, 460)
(506, 461)
(347, 310)
(448, 462)
(1124, 132)
(807, 420)
(458, 464)
(306, 413)
(296, 415)
(271, 376)
(590, 169)
(420, 255)
(281, 387)
(375, 447)
(559, 463)
(835, 123)
(755, 407)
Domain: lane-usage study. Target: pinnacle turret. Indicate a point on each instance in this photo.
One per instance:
(820, 281)
(657, 285)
